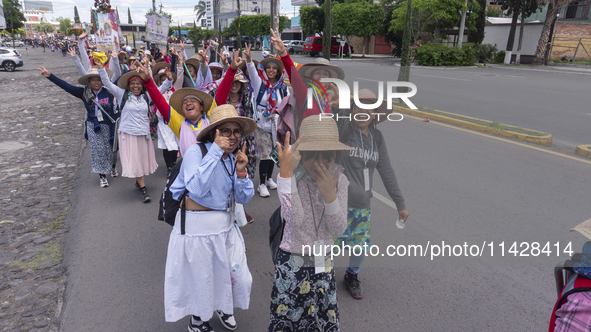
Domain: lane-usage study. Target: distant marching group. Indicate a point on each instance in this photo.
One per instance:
(221, 117)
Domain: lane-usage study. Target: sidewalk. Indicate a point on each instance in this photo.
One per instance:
(41, 134)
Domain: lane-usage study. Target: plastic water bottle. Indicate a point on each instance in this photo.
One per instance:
(400, 224)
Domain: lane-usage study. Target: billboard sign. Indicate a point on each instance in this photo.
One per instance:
(39, 6)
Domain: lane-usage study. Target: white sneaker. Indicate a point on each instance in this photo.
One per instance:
(263, 191)
(114, 172)
(103, 182)
(271, 184)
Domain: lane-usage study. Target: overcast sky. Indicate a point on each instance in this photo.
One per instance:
(182, 11)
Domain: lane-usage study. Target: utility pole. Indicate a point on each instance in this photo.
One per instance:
(274, 20)
(12, 26)
(462, 24)
(154, 5)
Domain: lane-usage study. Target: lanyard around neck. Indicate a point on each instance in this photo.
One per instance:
(363, 151)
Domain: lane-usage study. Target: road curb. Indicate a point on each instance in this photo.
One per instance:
(584, 150)
(545, 140)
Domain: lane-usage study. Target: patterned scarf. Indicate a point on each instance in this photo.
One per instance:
(271, 90)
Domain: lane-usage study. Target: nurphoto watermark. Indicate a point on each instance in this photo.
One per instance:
(345, 100)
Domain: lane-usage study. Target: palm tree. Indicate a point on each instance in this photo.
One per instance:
(551, 16)
(200, 8)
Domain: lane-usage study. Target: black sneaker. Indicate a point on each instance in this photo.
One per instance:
(137, 187)
(227, 321)
(145, 195)
(353, 285)
(197, 325)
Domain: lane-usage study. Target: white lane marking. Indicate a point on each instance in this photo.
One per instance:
(384, 200)
(449, 78)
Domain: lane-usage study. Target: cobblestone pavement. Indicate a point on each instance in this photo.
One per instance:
(41, 141)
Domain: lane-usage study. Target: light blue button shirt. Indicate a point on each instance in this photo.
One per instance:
(208, 181)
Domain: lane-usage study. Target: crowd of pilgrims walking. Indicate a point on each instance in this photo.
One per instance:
(220, 118)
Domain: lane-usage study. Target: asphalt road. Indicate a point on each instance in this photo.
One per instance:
(460, 186)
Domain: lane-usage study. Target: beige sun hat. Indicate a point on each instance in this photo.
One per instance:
(160, 65)
(161, 72)
(320, 135)
(193, 61)
(123, 81)
(308, 69)
(584, 228)
(176, 100)
(225, 113)
(92, 72)
(276, 61)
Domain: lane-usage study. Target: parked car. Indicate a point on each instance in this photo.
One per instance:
(313, 46)
(8, 43)
(295, 46)
(10, 59)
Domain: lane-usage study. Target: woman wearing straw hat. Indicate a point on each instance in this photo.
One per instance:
(321, 68)
(304, 295)
(99, 128)
(270, 88)
(206, 268)
(188, 111)
(135, 144)
(370, 154)
(167, 140)
(300, 89)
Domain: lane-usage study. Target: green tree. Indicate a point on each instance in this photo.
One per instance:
(65, 24)
(431, 16)
(552, 11)
(477, 36)
(45, 27)
(129, 21)
(404, 72)
(327, 32)
(312, 19)
(76, 16)
(514, 7)
(373, 15)
(200, 8)
(14, 17)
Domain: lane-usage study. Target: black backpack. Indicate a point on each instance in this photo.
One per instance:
(168, 205)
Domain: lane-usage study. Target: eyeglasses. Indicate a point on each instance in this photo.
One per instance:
(225, 132)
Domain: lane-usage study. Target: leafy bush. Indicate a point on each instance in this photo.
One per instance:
(493, 12)
(485, 53)
(436, 54)
(500, 57)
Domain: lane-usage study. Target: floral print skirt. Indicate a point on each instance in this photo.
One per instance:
(302, 300)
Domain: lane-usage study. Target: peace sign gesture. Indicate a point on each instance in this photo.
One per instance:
(202, 55)
(44, 71)
(247, 53)
(289, 156)
(236, 60)
(224, 57)
(277, 42)
(241, 159)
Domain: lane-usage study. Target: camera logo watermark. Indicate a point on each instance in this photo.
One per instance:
(345, 92)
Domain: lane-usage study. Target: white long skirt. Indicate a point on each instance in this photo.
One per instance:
(206, 268)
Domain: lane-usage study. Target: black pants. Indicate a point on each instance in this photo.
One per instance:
(169, 157)
(266, 170)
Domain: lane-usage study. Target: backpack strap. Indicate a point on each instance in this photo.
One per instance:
(122, 103)
(186, 192)
(261, 94)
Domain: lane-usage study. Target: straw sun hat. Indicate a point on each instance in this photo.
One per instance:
(92, 72)
(309, 68)
(584, 228)
(276, 61)
(123, 81)
(176, 100)
(225, 113)
(320, 135)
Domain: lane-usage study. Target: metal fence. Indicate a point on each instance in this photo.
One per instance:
(571, 48)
